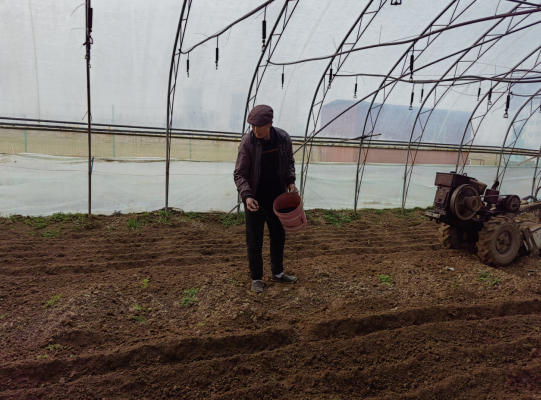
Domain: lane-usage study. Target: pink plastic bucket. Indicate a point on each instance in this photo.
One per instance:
(288, 208)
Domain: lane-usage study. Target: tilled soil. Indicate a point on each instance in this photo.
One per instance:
(92, 309)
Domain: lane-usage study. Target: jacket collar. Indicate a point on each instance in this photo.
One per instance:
(276, 132)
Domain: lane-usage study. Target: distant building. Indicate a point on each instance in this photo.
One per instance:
(394, 123)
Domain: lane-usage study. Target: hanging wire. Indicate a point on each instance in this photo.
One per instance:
(422, 93)
(355, 90)
(412, 96)
(217, 52)
(188, 65)
(264, 29)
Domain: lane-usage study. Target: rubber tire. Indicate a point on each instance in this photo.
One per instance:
(486, 246)
(450, 238)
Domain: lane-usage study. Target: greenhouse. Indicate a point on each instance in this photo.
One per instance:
(415, 132)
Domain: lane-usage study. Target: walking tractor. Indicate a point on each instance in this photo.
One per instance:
(470, 215)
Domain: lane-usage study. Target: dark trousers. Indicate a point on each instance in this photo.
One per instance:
(255, 224)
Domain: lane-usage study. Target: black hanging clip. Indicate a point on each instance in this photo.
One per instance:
(490, 96)
(507, 103)
(283, 75)
(355, 91)
(264, 31)
(188, 65)
(217, 52)
(412, 95)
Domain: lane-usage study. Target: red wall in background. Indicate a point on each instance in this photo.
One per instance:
(387, 156)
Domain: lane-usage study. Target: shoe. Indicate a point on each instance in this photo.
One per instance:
(284, 278)
(257, 286)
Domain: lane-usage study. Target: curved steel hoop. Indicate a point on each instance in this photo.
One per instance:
(481, 118)
(407, 169)
(370, 16)
(257, 77)
(501, 175)
(373, 119)
(173, 72)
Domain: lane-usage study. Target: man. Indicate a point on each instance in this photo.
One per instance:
(265, 169)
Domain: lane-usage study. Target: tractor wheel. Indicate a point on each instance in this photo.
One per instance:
(455, 238)
(499, 241)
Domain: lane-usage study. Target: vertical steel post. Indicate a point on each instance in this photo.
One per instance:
(88, 15)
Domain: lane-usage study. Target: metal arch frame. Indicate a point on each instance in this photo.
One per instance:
(358, 21)
(173, 71)
(471, 118)
(360, 167)
(536, 176)
(499, 177)
(268, 45)
(409, 169)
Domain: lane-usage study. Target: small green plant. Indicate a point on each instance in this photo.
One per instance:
(165, 218)
(53, 347)
(51, 234)
(134, 223)
(42, 356)
(16, 218)
(138, 319)
(60, 217)
(139, 308)
(233, 219)
(386, 280)
(52, 301)
(339, 217)
(2, 316)
(189, 297)
(193, 215)
(36, 222)
(407, 212)
(488, 278)
(144, 283)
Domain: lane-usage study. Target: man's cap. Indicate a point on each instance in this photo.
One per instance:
(260, 115)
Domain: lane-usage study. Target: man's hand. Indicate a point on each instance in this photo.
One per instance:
(252, 204)
(292, 188)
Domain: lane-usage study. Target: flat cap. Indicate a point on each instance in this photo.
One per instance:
(260, 115)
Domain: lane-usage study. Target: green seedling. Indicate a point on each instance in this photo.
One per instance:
(60, 217)
(386, 280)
(139, 308)
(16, 218)
(2, 316)
(192, 215)
(233, 219)
(52, 301)
(51, 234)
(165, 218)
(339, 217)
(189, 297)
(144, 283)
(36, 222)
(134, 224)
(138, 318)
(488, 278)
(40, 357)
(53, 347)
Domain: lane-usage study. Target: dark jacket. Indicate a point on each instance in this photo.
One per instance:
(248, 163)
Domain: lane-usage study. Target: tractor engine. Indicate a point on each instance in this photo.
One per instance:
(472, 216)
